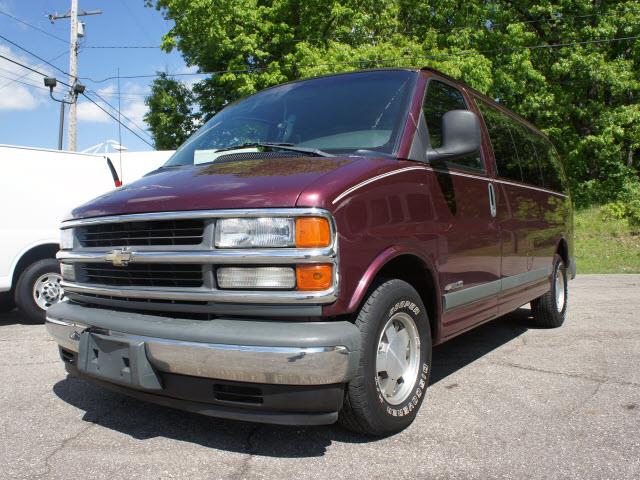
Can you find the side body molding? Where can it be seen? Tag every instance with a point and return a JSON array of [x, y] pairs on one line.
[[473, 294]]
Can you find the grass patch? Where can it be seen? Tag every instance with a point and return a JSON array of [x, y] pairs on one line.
[[605, 245]]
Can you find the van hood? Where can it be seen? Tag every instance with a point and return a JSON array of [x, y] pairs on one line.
[[242, 184]]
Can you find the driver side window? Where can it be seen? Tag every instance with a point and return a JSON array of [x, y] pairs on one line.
[[440, 99]]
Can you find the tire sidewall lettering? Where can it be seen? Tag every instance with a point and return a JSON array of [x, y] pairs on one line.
[[411, 404]]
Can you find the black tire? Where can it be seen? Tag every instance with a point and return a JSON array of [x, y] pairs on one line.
[[6, 302], [545, 309], [24, 288], [365, 410]]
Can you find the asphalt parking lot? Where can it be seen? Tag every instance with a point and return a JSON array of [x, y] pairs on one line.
[[506, 401]]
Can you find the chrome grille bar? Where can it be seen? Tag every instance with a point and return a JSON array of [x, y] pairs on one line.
[[205, 295], [217, 256]]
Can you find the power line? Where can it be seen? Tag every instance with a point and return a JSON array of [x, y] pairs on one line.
[[558, 17], [127, 95], [33, 26], [122, 46], [18, 80], [382, 60], [29, 68], [119, 112], [86, 96], [488, 25], [125, 126], [33, 55], [26, 74], [152, 75]]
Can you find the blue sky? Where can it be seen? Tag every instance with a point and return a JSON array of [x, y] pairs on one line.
[[29, 117]]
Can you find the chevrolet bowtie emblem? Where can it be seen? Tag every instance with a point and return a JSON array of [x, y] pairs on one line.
[[119, 258]]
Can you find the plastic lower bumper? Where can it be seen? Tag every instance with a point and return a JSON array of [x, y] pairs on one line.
[[274, 404], [268, 371]]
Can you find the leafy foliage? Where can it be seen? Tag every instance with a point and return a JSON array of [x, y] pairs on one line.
[[170, 114], [627, 208], [552, 61]]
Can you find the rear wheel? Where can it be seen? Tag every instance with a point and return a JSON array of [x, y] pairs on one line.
[[550, 309], [38, 289], [395, 361]]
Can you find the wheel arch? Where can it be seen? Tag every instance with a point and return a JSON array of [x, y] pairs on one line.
[[562, 249], [31, 254], [411, 267]]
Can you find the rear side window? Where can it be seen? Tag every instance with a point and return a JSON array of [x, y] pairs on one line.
[[552, 172], [499, 126], [440, 99], [527, 154], [521, 153]]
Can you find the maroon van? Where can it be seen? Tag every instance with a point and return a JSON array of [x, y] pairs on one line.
[[297, 258]]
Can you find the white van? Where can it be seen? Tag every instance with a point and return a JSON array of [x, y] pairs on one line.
[[37, 188]]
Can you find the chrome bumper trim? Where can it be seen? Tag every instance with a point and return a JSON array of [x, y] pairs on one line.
[[207, 295], [244, 363]]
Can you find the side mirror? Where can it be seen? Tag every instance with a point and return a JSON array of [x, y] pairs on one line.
[[460, 136]]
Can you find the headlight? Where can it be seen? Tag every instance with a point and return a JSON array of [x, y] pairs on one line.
[[303, 232], [256, 277], [66, 239], [255, 232]]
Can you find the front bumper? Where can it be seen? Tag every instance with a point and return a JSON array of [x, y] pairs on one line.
[[282, 372], [257, 351]]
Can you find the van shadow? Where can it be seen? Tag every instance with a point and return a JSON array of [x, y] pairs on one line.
[[14, 317], [455, 354], [143, 421]]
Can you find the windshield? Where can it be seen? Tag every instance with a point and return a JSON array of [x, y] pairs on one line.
[[338, 114]]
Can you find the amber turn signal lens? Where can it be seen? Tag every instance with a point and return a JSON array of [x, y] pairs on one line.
[[312, 232], [314, 277]]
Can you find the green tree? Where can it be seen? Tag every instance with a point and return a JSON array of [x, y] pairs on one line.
[[552, 61], [171, 116]]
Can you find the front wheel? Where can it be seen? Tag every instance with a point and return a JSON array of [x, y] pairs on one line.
[[395, 361], [39, 288], [550, 310]]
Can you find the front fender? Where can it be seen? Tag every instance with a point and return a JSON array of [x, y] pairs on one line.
[[378, 263]]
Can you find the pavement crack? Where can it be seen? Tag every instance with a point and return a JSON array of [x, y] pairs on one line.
[[591, 395], [553, 372], [59, 448], [567, 374], [251, 449], [30, 364]]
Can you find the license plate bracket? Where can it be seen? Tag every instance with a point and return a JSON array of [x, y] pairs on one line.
[[117, 360]]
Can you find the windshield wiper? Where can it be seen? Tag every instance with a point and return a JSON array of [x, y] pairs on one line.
[[282, 146]]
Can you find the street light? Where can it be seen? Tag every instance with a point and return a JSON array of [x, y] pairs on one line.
[[77, 89]]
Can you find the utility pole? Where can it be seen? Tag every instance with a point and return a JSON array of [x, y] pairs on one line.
[[61, 124], [73, 73], [73, 15]]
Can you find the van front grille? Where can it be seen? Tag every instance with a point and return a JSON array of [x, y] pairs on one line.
[[141, 275], [152, 232]]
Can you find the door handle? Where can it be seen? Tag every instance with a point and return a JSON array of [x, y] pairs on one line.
[[492, 200]]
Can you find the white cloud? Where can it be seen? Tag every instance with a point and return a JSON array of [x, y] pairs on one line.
[[13, 94], [132, 105], [20, 98], [135, 111], [89, 112]]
